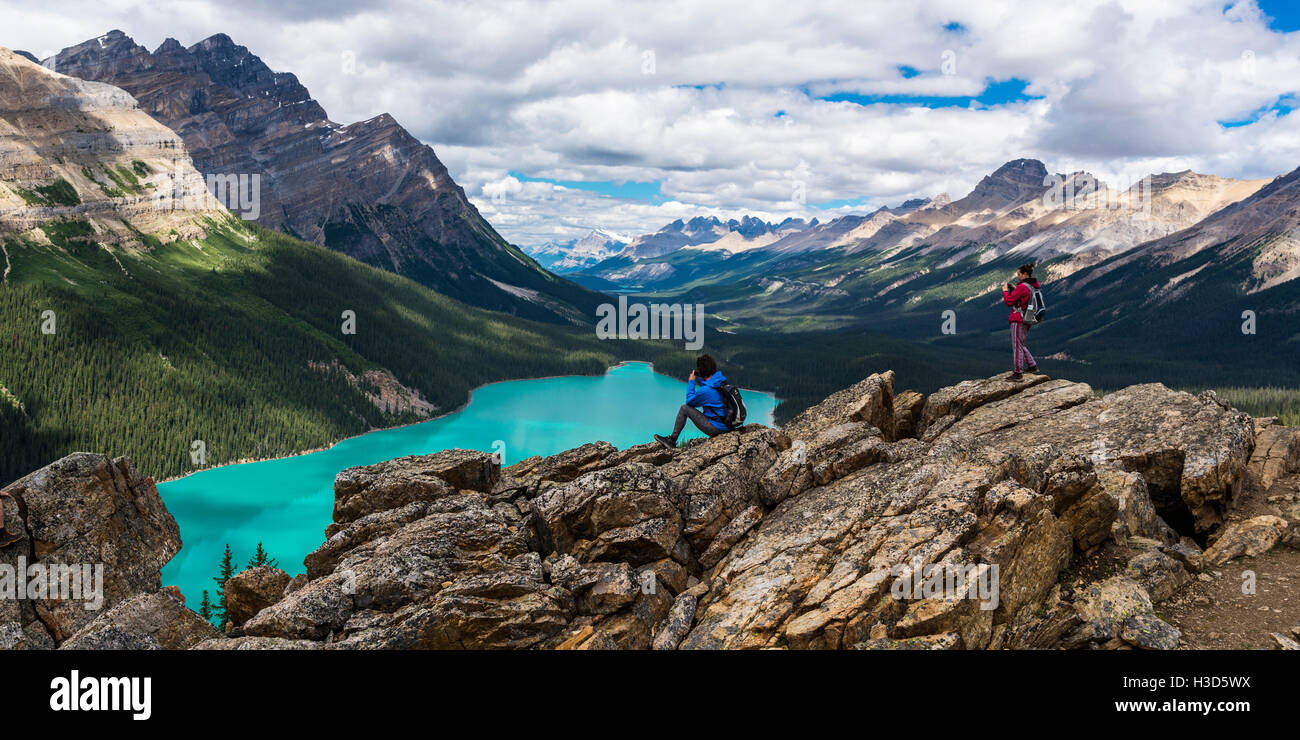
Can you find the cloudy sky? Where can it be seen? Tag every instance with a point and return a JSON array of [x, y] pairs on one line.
[[560, 117]]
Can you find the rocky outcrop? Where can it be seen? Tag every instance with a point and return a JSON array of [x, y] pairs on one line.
[[798, 537], [156, 621], [96, 531], [1191, 451], [829, 533], [369, 189], [251, 591]]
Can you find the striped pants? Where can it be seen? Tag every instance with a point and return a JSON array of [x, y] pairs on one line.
[[1020, 357]]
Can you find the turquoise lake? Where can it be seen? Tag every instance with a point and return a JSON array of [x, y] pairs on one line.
[[286, 503]]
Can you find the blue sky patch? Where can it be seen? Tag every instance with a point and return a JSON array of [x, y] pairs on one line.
[[841, 203], [628, 190], [1284, 14], [995, 93], [1283, 106]]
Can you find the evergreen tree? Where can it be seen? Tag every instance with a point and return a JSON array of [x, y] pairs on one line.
[[205, 607], [226, 573], [260, 558]]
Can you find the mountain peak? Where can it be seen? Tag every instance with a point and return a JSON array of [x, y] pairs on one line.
[[1011, 184], [217, 40], [1023, 171], [169, 46]]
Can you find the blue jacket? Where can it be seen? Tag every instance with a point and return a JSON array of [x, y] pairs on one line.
[[705, 397]]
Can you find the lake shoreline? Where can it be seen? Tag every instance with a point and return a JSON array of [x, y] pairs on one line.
[[286, 503], [457, 410]]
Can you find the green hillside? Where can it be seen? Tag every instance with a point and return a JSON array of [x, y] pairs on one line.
[[213, 341]]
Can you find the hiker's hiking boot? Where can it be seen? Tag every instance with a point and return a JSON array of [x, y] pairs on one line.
[[668, 442], [7, 538], [1032, 369], [1017, 376]]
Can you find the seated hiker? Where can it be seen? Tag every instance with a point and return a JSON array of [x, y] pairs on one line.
[[1018, 297], [704, 403]]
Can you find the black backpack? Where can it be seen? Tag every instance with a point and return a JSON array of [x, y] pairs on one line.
[[733, 405], [1036, 310]]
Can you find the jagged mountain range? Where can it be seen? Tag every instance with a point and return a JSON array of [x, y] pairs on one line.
[[593, 248], [1010, 210], [709, 233], [1183, 265], [368, 189]]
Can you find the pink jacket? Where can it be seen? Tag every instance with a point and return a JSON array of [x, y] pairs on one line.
[[1018, 299]]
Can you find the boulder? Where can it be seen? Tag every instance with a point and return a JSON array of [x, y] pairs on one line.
[[1247, 538], [1284, 642], [1149, 632], [33, 636], [253, 590], [395, 483], [1187, 552], [631, 513], [870, 401], [1161, 575], [462, 576], [89, 512], [1104, 608], [538, 473], [313, 612], [1277, 454], [680, 618], [815, 572], [828, 454], [946, 405], [1191, 451], [156, 621], [1135, 513], [325, 558], [611, 586]]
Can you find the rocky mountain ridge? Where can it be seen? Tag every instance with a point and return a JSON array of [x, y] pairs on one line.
[[762, 538], [369, 189], [1019, 209], [1265, 227], [72, 150], [592, 248], [711, 233]]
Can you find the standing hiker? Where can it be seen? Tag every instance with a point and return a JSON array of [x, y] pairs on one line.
[[1018, 297]]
